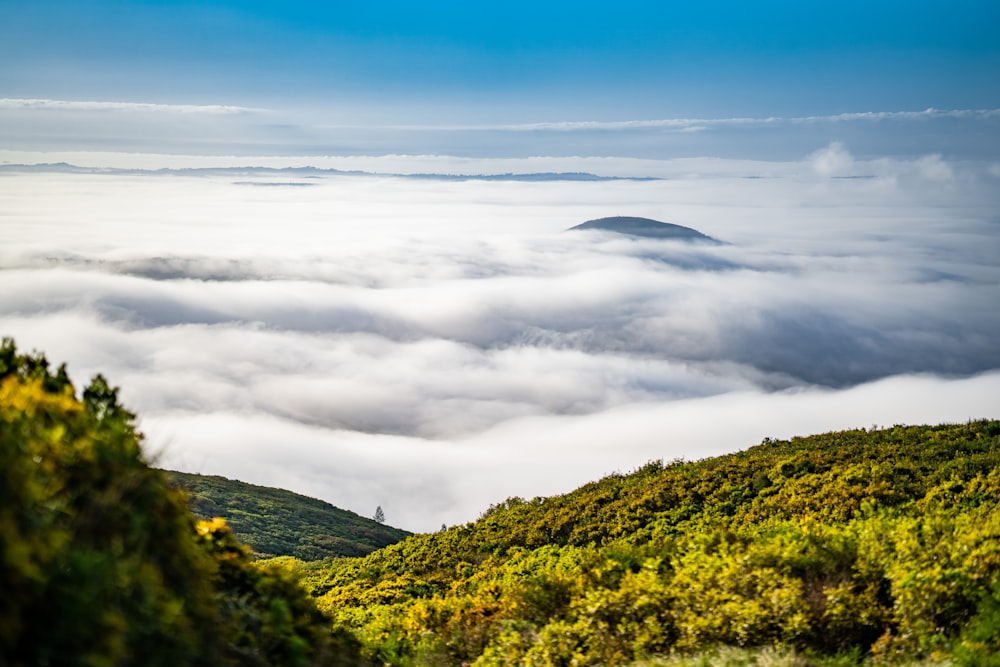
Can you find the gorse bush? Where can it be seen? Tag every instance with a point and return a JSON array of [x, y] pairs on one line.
[[875, 545], [102, 564], [878, 544]]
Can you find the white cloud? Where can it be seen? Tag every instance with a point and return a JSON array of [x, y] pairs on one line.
[[435, 346], [92, 105], [700, 124], [218, 130], [834, 160], [424, 483], [934, 168]]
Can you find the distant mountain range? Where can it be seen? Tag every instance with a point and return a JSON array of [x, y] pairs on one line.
[[314, 172], [644, 227], [275, 522]]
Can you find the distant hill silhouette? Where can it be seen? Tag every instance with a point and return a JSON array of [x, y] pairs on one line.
[[645, 227], [312, 172]]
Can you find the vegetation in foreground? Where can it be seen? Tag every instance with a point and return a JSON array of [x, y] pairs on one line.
[[101, 562], [875, 545], [275, 522]]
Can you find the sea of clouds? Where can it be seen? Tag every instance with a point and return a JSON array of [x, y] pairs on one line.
[[436, 345]]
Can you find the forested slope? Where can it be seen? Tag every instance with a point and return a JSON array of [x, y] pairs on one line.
[[880, 543], [275, 522]]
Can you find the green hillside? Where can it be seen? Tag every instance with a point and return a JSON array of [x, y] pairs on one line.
[[878, 544], [275, 522]]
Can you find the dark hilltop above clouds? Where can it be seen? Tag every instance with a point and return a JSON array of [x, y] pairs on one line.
[[646, 227]]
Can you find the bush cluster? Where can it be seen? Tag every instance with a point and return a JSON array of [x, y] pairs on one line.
[[879, 545], [101, 562]]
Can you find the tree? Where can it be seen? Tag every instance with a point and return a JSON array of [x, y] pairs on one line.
[[379, 514]]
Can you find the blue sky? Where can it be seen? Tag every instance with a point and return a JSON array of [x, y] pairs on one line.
[[434, 345], [511, 61]]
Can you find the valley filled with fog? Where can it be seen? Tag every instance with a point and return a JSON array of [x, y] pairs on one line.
[[434, 345]]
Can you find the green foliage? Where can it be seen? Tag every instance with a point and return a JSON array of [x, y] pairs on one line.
[[980, 641], [101, 562], [268, 616], [879, 545], [840, 549], [726, 656], [275, 522]]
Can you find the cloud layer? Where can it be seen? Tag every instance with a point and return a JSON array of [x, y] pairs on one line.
[[435, 346], [143, 127]]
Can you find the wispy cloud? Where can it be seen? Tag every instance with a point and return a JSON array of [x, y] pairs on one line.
[[205, 130], [680, 124], [89, 105], [700, 124]]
